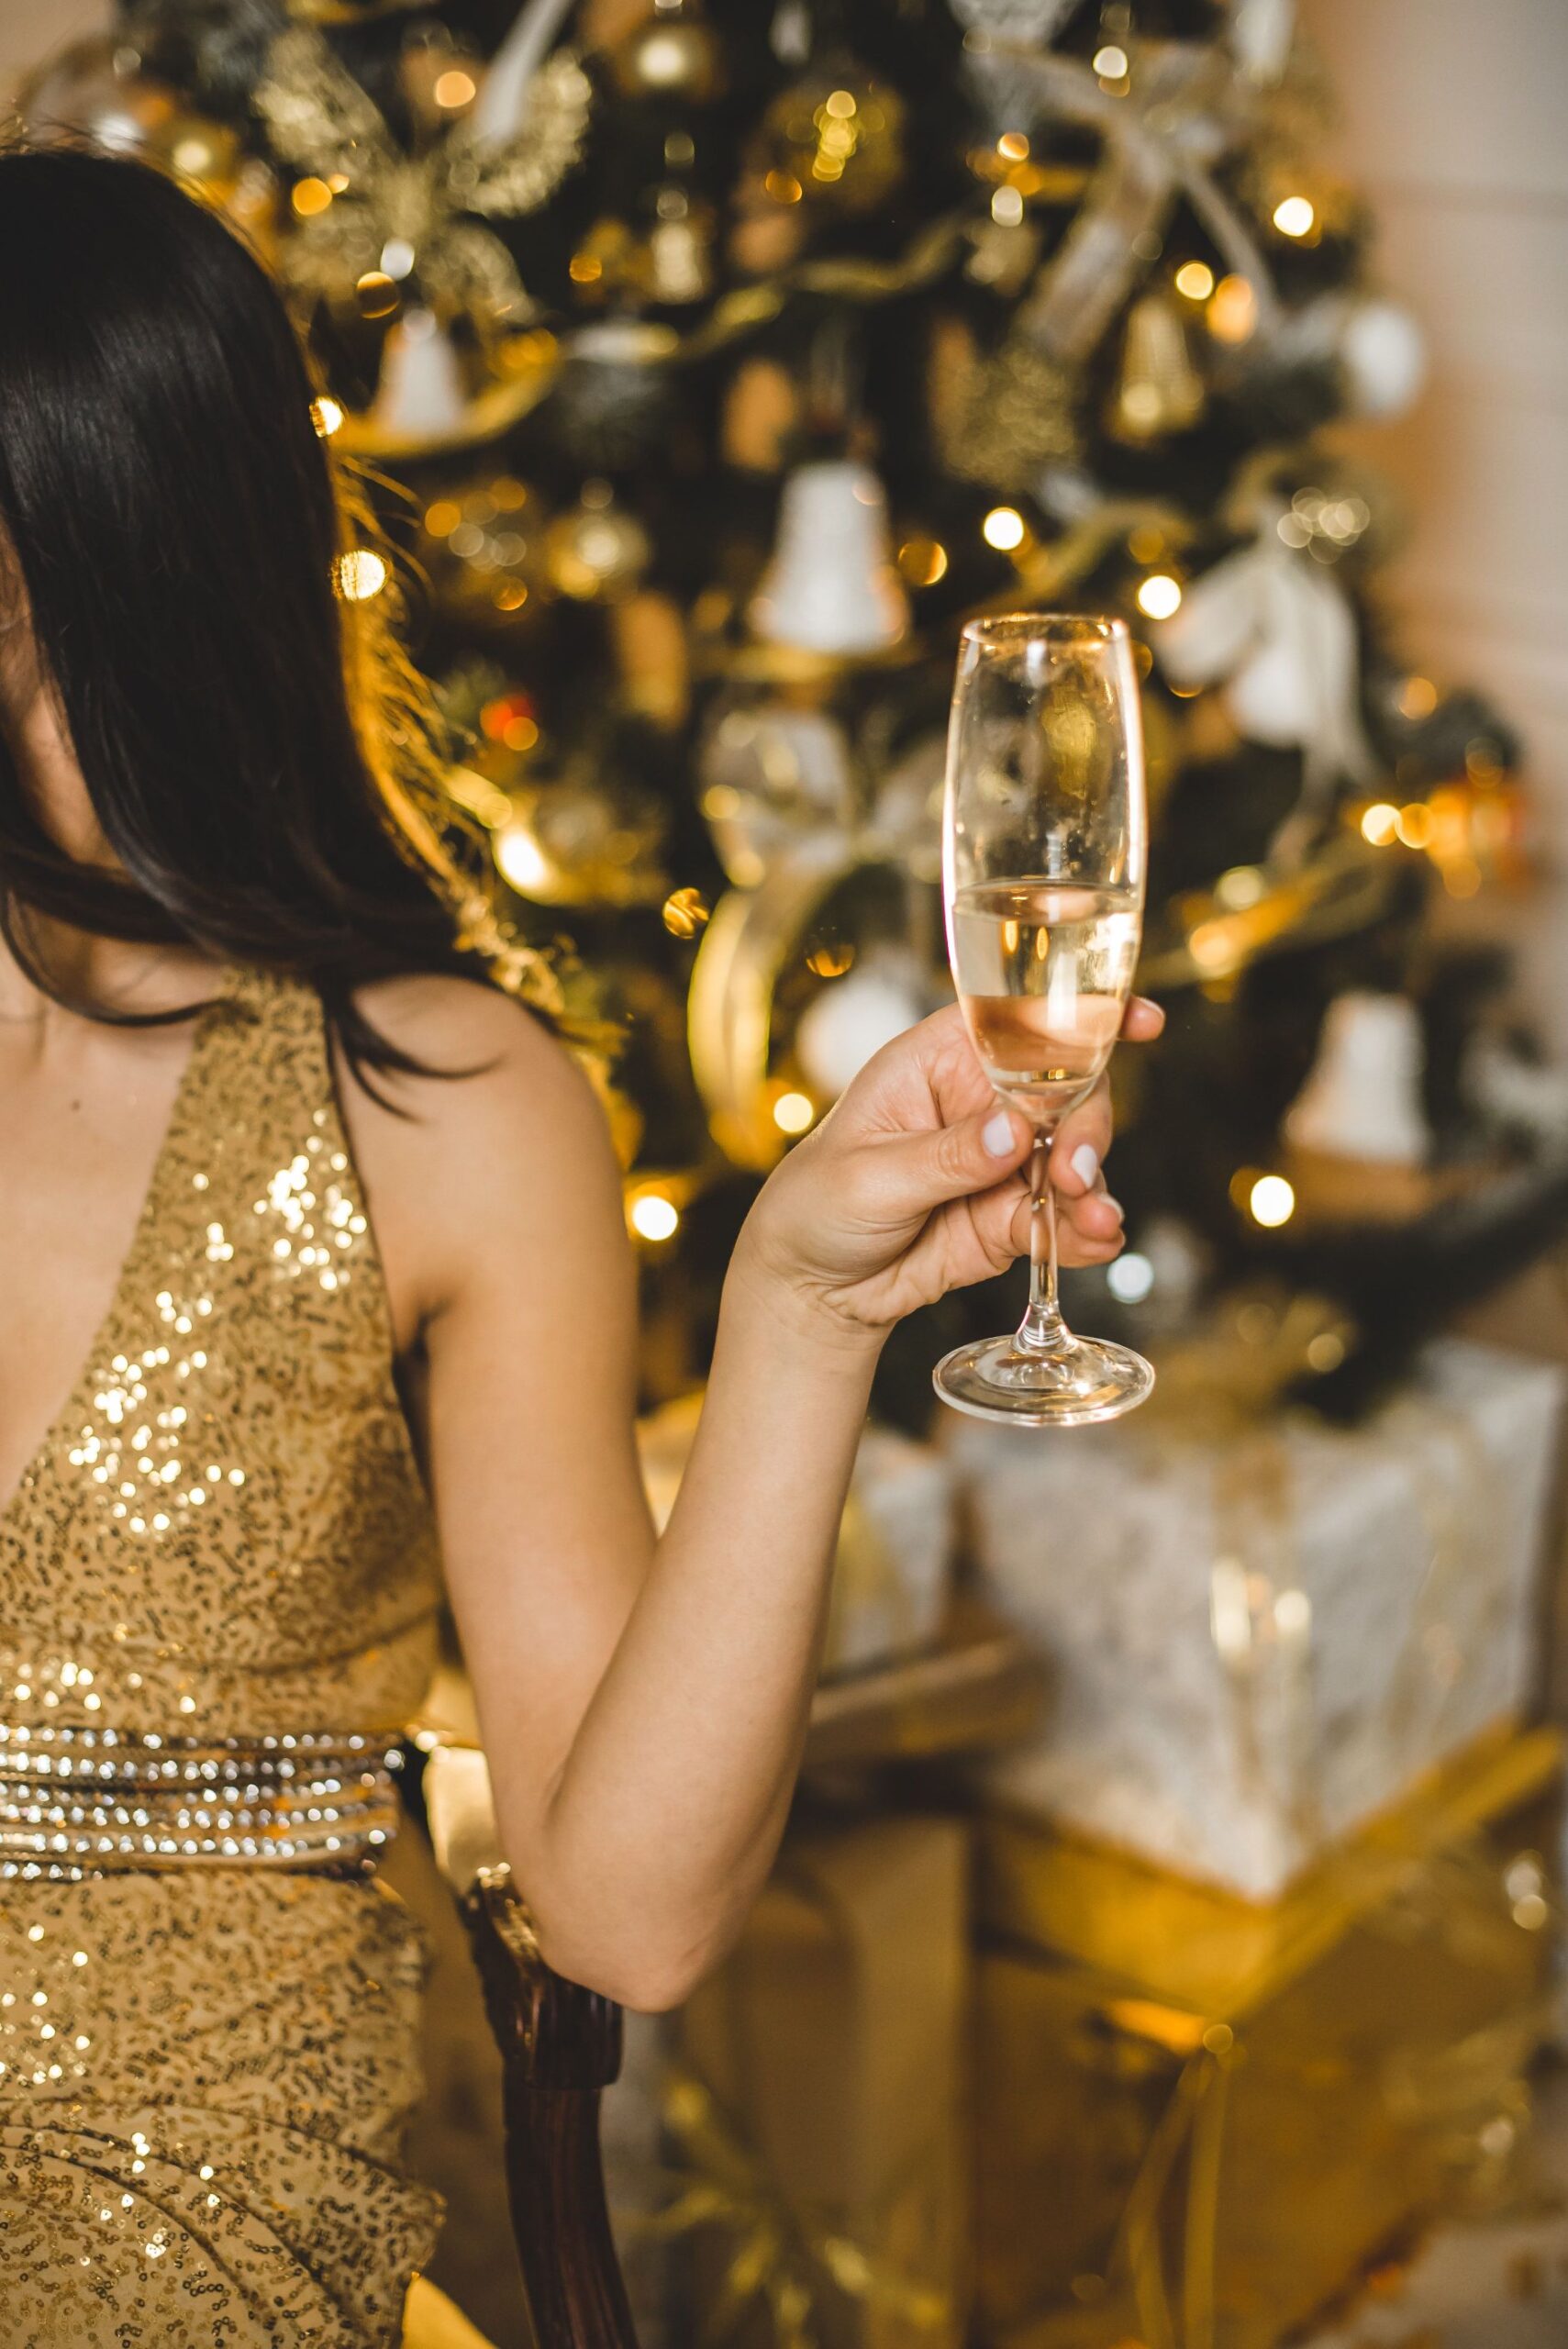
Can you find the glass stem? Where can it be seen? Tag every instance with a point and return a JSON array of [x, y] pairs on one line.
[[1042, 1331]]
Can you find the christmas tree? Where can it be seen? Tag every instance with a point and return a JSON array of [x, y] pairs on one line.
[[711, 361]]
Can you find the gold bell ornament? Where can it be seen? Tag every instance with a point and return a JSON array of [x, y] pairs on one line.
[[832, 586], [1158, 391]]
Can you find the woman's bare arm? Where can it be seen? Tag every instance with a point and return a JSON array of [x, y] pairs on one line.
[[643, 1705]]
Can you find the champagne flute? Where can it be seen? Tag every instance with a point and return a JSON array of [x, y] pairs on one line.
[[1043, 872]]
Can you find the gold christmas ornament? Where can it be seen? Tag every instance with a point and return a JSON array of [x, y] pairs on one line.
[[836, 140], [761, 410], [1158, 390], [597, 551], [652, 656], [999, 417], [581, 840], [386, 212]]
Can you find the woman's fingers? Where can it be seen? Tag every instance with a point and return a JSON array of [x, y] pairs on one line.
[[1082, 1141], [908, 1175], [1142, 1021]]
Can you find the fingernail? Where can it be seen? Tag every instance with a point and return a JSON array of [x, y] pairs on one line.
[[998, 1135], [1086, 1163], [1115, 1208]]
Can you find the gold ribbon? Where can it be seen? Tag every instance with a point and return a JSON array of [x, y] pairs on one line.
[[782, 2256]]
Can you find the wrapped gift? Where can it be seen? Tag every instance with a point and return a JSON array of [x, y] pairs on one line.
[[818, 2113], [1196, 2119], [1259, 1637], [893, 1571]]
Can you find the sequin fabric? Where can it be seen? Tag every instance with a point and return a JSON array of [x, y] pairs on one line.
[[206, 2070]]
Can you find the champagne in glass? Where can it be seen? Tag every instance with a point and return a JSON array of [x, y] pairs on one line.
[[1043, 875]]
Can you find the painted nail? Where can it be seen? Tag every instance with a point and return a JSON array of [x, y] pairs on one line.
[[1085, 1162], [998, 1135], [1115, 1208]]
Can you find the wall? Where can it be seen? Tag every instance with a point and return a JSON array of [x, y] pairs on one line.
[[28, 27], [1452, 125]]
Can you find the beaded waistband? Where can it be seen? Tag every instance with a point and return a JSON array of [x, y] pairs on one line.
[[77, 1802]]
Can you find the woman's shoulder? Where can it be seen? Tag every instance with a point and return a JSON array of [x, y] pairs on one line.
[[445, 1022], [506, 1134]]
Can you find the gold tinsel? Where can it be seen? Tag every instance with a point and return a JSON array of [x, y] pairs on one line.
[[1001, 417], [320, 122]]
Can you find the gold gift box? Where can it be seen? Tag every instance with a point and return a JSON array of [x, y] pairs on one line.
[[832, 2046], [1198, 2118]]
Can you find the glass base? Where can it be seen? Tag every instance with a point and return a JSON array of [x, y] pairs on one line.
[[999, 1379]]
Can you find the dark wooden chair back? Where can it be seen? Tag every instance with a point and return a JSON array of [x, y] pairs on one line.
[[561, 2048]]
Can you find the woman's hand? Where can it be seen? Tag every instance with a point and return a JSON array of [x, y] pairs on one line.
[[915, 1183]]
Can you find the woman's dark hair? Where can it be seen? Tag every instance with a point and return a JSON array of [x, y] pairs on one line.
[[262, 760]]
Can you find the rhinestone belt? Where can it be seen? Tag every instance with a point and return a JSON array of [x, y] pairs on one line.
[[75, 1802]]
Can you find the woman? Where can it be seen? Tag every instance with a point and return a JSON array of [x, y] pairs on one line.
[[233, 1020]]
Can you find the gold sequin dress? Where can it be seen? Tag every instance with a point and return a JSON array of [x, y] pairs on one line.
[[218, 1594]]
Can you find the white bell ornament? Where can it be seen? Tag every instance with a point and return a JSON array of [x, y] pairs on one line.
[[831, 587], [421, 394], [1362, 1100]]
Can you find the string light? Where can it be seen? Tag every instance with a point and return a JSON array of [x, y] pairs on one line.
[[1131, 1279], [361, 573], [1158, 595], [923, 562], [1195, 280], [325, 415], [1007, 207], [377, 293], [654, 1215], [1232, 312], [521, 861], [1013, 146], [1242, 886], [310, 196], [1418, 697], [1003, 528], [455, 88], [795, 1113], [1380, 824], [1294, 216], [1110, 62], [1270, 1201], [396, 257], [1414, 825]]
